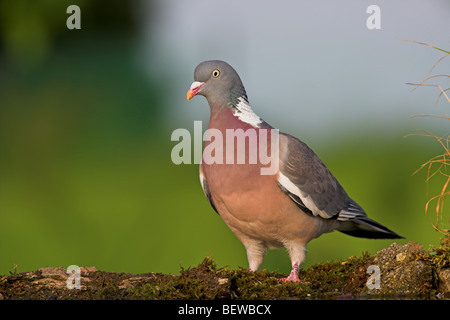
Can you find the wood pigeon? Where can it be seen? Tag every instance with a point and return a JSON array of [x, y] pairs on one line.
[[299, 202]]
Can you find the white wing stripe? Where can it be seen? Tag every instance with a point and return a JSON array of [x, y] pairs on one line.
[[292, 188]]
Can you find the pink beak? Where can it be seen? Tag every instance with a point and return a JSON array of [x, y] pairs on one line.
[[195, 88]]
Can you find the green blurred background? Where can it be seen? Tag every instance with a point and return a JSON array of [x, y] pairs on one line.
[[86, 176]]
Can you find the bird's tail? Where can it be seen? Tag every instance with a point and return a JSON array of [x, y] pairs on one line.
[[364, 227]]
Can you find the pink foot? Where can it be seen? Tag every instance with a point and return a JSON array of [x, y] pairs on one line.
[[293, 277]]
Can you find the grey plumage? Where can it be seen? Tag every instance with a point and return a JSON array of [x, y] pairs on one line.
[[298, 203], [328, 198]]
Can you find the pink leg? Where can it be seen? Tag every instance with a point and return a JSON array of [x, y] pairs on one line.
[[293, 277]]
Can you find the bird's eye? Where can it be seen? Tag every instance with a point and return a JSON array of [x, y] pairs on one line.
[[215, 73]]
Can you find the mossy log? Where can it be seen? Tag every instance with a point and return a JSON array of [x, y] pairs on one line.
[[405, 272]]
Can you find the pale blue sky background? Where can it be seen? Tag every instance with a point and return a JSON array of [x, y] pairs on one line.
[[310, 67]]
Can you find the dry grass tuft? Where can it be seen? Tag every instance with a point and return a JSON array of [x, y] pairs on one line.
[[435, 166], [439, 164]]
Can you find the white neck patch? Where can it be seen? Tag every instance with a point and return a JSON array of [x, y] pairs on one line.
[[246, 114]]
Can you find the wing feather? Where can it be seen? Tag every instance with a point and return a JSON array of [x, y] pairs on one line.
[[309, 183], [205, 188]]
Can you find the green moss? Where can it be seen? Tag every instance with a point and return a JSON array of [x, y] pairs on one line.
[[339, 278], [407, 271]]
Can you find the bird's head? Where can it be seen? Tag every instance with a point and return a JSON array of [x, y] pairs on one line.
[[218, 82]]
